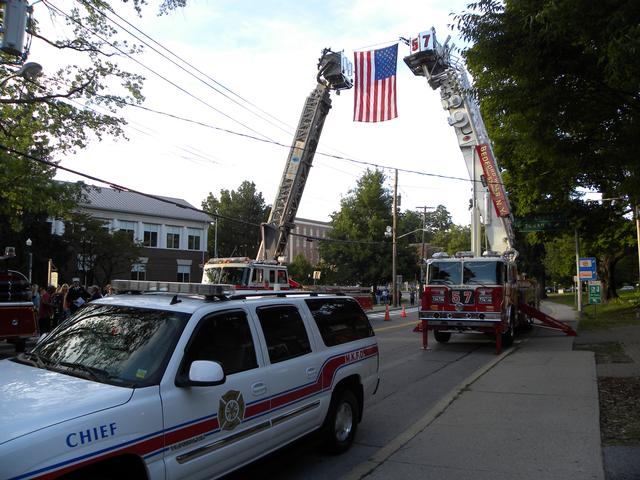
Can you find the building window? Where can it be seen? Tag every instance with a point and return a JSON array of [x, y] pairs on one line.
[[127, 227], [193, 238], [150, 234], [173, 237], [139, 271], [184, 273]]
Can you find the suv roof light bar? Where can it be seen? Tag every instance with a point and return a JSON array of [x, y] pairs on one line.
[[206, 289]]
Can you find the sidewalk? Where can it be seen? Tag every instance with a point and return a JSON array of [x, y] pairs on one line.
[[532, 413]]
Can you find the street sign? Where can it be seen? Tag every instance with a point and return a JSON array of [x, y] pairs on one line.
[[540, 223], [587, 269], [595, 292]]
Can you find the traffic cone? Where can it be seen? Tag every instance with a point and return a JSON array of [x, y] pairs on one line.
[[404, 313], [386, 315]]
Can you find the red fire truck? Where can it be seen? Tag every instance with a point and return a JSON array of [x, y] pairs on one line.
[[472, 291], [469, 294], [18, 320]]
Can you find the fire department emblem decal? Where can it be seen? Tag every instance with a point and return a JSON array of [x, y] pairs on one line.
[[230, 410]]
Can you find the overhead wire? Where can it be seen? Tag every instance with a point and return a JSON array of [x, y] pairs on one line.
[[135, 60], [324, 154], [191, 66], [169, 201]]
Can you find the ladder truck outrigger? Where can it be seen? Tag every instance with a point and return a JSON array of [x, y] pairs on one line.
[[267, 271], [474, 291]]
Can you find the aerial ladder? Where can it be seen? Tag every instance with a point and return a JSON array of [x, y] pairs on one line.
[[444, 71], [501, 304], [334, 73]]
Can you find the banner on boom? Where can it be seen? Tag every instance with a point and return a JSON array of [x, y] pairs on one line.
[[493, 180]]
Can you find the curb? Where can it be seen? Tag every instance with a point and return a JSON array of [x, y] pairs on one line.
[[383, 454]]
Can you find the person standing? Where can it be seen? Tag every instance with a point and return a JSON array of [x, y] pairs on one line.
[[77, 296], [46, 310]]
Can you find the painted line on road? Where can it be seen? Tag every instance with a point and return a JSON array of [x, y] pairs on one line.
[[400, 325], [367, 467]]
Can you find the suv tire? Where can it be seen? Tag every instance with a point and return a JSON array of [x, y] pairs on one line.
[[340, 426]]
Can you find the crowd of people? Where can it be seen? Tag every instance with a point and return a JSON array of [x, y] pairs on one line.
[[383, 296], [54, 305]]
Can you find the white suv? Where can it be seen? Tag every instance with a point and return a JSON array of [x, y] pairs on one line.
[[190, 385]]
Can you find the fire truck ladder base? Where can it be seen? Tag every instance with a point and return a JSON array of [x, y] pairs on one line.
[[546, 320]]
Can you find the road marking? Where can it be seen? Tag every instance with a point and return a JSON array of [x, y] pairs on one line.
[[382, 455], [400, 325]]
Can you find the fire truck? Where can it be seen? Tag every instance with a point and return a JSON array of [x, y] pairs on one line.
[[476, 291], [17, 313]]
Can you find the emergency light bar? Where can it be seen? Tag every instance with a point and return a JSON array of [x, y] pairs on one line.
[[209, 290]]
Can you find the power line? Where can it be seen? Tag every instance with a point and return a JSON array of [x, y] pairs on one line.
[[328, 155], [188, 64], [46, 2], [116, 186]]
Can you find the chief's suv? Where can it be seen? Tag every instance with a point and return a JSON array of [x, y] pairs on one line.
[[188, 381]]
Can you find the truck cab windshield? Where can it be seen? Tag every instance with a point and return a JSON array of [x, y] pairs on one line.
[[466, 273], [228, 275]]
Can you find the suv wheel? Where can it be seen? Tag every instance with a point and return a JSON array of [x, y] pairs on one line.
[[342, 422]]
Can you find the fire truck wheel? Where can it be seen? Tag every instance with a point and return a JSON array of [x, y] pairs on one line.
[[442, 337], [508, 336]]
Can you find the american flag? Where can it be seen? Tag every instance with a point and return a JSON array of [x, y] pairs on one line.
[[375, 79]]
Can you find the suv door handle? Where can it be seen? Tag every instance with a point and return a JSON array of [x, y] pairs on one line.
[[259, 388], [311, 372]]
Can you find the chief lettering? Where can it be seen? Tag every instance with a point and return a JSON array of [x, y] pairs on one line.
[[84, 437]]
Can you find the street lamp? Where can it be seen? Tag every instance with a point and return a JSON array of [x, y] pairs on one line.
[[29, 243], [29, 71]]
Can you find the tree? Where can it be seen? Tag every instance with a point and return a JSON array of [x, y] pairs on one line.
[[239, 215], [61, 111], [456, 239], [559, 92], [560, 260], [357, 249], [301, 270], [97, 253]]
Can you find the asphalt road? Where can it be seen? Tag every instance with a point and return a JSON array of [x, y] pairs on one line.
[[412, 381]]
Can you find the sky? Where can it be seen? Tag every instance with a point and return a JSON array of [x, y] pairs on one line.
[[266, 52]]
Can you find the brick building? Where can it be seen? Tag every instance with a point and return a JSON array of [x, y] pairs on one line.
[[299, 244]]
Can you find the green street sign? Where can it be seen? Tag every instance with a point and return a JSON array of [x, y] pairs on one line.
[[595, 293], [540, 223]]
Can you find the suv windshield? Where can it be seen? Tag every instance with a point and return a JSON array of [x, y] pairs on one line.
[[112, 344]]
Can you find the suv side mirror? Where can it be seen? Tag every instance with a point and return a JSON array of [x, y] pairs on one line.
[[202, 373]]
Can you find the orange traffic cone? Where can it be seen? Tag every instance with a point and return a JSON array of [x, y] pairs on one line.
[[386, 315], [404, 313]]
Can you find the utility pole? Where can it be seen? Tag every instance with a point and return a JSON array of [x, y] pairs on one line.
[[638, 237], [394, 288], [423, 252], [579, 282]]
